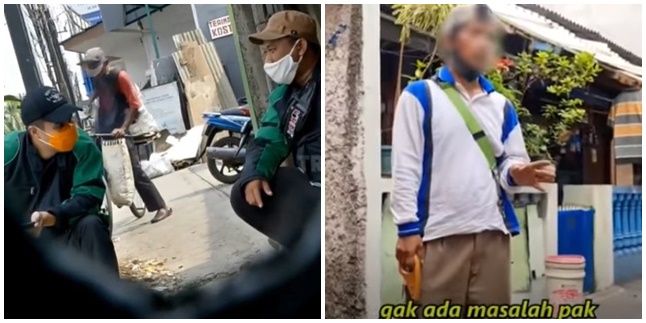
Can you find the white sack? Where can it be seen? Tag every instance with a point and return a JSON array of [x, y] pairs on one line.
[[145, 123], [157, 165], [187, 146], [118, 167]]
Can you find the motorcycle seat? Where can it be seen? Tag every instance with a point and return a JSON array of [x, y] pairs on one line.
[[237, 111]]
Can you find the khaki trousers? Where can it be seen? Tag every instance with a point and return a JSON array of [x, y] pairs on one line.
[[470, 269]]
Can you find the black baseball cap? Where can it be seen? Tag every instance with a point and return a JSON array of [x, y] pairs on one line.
[[46, 103]]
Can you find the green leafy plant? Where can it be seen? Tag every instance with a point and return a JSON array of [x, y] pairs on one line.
[[427, 18], [561, 75], [12, 121]]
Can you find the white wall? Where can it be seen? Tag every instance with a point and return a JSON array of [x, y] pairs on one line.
[[372, 156], [132, 53], [137, 50], [621, 23], [599, 197], [548, 211], [174, 19]]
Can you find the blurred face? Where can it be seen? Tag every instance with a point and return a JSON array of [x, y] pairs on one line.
[[274, 50], [476, 44], [94, 68]]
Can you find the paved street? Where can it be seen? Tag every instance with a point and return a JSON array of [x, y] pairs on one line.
[[202, 241], [615, 302], [205, 241], [620, 302]]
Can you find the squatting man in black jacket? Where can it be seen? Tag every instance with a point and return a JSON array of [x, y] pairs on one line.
[[278, 200], [53, 175]]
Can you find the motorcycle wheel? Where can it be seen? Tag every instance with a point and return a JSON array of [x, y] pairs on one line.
[[137, 208], [107, 207], [218, 172]]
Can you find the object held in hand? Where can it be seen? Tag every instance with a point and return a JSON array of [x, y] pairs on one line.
[[413, 279]]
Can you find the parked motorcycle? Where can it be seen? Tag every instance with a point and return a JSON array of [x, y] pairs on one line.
[[225, 156]]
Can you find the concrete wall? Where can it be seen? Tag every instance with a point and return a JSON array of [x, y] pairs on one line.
[[599, 197], [133, 56], [225, 46], [542, 232], [136, 49], [548, 211], [174, 19], [345, 194]]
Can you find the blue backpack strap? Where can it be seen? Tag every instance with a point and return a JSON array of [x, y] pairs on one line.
[[422, 91]]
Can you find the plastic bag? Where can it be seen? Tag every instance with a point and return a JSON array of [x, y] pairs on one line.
[[157, 165], [145, 123], [118, 167]]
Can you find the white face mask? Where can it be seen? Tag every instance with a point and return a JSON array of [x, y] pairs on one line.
[[283, 70], [94, 72]]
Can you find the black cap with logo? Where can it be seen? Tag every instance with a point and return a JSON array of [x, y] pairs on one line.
[[46, 103]]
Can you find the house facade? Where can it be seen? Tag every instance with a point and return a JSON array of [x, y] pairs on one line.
[[126, 35], [359, 226]]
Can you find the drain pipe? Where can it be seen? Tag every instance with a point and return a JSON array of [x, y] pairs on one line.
[[152, 30]]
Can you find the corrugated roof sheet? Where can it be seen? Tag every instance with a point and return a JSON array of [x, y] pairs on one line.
[[547, 30], [584, 32]]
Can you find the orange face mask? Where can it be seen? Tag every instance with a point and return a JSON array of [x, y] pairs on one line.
[[64, 139]]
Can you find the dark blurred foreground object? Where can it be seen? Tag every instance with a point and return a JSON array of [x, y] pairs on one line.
[[47, 282]]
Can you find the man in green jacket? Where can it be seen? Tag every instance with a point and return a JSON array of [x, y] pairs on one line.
[[277, 200], [53, 173]]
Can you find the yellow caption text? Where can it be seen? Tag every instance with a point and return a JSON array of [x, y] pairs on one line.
[[524, 310]]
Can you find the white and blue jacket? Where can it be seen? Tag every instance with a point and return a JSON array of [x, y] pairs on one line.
[[442, 184]]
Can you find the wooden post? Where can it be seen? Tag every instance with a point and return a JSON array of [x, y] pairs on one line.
[[613, 164], [251, 62]]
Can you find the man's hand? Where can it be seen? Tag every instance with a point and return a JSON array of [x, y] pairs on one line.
[[42, 220], [252, 191], [118, 133], [533, 174], [407, 249]]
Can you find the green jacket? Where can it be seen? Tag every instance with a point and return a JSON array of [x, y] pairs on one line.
[[70, 185], [280, 134]]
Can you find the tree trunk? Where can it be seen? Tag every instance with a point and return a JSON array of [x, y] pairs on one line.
[[251, 61]]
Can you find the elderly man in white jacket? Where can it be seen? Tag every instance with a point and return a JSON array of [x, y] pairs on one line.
[[457, 150]]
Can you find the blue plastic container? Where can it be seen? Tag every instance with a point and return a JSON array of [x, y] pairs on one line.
[[627, 230], [576, 237], [87, 82]]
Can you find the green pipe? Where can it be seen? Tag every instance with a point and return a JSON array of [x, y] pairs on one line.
[[152, 31], [243, 70]]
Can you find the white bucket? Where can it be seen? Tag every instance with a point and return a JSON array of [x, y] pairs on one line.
[[565, 276]]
